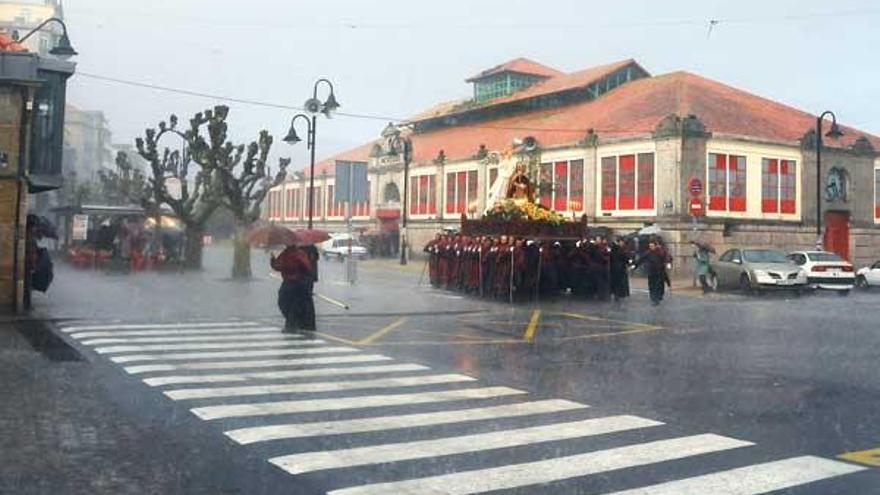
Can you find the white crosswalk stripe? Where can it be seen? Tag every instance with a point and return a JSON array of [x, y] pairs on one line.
[[179, 332], [160, 325], [330, 459], [362, 425], [238, 359], [753, 480], [249, 337], [277, 342], [278, 375], [557, 469], [413, 381], [339, 404], [252, 364], [231, 354]]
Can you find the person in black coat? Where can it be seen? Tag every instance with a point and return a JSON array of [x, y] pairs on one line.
[[621, 257], [654, 260]]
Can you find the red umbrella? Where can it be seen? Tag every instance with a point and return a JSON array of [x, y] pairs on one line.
[[272, 235], [310, 236]]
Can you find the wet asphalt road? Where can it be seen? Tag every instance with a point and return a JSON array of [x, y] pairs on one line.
[[767, 379]]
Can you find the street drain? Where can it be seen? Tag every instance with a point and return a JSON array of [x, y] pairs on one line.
[[44, 341]]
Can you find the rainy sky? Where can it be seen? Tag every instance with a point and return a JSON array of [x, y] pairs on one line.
[[392, 58]]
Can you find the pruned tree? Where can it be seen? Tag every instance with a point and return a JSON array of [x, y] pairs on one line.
[[243, 179], [169, 181]]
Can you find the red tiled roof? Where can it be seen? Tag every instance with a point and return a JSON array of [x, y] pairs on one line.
[[7, 44], [521, 65], [633, 109], [556, 84]]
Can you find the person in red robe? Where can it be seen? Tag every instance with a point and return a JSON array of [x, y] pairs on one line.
[[503, 262], [431, 248]]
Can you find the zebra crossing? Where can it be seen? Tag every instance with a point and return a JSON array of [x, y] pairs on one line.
[[366, 423]]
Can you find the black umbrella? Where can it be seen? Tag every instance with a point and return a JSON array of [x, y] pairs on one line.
[[42, 226]]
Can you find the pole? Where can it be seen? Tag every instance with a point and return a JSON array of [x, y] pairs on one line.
[[311, 138], [819, 182], [405, 205], [538, 279], [422, 275], [349, 262], [511, 274], [480, 266]]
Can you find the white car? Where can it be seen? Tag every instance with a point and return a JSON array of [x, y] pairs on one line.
[[339, 248], [868, 276], [826, 270]]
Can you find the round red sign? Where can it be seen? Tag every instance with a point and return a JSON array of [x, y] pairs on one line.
[[695, 186]]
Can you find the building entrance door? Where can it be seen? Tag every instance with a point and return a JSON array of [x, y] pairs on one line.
[[837, 233]]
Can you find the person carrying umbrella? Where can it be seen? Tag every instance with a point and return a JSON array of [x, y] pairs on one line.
[[298, 271], [702, 252], [655, 260]]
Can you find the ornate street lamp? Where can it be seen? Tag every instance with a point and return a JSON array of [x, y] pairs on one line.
[[63, 49], [398, 145], [834, 133], [313, 107]]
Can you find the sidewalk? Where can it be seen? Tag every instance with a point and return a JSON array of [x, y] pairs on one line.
[[68, 428]]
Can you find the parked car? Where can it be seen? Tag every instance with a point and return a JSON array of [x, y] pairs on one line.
[[338, 248], [868, 276], [825, 270], [753, 270]]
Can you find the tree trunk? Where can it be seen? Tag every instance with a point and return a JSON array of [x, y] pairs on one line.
[[192, 255], [241, 259]]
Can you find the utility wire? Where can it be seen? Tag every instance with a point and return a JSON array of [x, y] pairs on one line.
[[265, 104]]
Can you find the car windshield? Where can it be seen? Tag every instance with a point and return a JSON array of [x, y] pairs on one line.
[[825, 257], [764, 256]]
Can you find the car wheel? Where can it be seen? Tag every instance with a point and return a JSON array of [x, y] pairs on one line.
[[843, 293], [861, 282], [745, 286]]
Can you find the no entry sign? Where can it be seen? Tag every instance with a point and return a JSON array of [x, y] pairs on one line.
[[695, 186], [696, 207]]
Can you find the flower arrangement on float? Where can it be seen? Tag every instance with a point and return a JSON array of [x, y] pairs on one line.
[[513, 210]]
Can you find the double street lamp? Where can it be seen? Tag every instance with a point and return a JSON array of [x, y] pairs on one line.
[[63, 49], [834, 133], [401, 145], [313, 107]]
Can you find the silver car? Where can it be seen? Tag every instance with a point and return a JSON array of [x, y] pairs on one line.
[[753, 270]]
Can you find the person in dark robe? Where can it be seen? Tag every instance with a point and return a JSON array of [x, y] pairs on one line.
[[520, 269], [433, 260], [548, 277], [490, 254], [601, 261], [473, 283], [454, 262], [295, 294], [620, 259], [654, 261], [503, 263]]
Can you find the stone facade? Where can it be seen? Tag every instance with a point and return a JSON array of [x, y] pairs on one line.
[[13, 196]]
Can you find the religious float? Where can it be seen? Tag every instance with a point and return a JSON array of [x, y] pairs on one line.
[[514, 212]]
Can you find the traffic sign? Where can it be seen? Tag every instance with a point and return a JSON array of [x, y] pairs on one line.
[[696, 207], [695, 186]]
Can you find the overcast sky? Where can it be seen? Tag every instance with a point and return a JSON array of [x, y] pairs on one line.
[[395, 57]]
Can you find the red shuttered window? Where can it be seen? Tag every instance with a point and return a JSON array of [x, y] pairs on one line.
[[717, 182], [576, 191], [627, 178], [432, 194], [422, 195], [646, 181], [877, 194], [778, 186], [450, 193], [609, 183], [737, 188], [545, 185], [787, 187], [769, 185], [461, 191], [560, 186]]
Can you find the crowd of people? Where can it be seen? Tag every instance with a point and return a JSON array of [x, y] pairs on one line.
[[516, 269]]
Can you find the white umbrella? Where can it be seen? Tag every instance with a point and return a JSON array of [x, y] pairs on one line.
[[651, 230]]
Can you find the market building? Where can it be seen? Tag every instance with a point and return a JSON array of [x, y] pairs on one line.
[[626, 149]]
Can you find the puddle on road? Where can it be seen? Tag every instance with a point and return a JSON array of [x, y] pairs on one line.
[[44, 341]]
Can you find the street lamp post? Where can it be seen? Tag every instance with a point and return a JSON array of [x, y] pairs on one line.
[[834, 133], [401, 145], [63, 49], [313, 106]]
